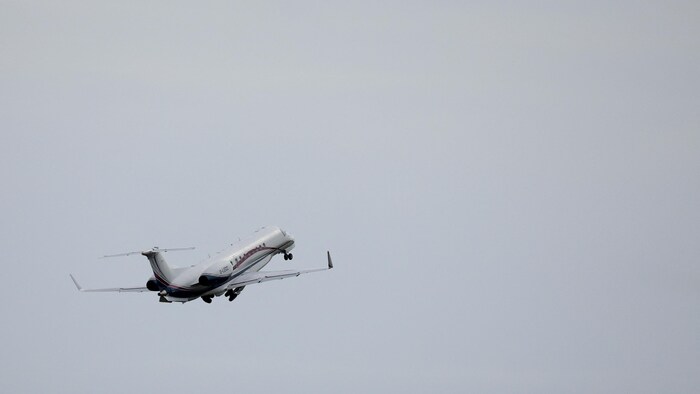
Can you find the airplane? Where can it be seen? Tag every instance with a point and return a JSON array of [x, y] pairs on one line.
[[227, 273]]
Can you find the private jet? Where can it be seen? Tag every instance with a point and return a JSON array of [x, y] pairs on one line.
[[226, 273]]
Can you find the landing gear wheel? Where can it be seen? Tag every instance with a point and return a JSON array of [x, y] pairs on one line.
[[286, 256], [291, 256], [235, 292], [207, 300]]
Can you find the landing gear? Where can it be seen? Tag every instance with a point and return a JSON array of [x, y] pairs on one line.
[[232, 294], [288, 256], [207, 299]]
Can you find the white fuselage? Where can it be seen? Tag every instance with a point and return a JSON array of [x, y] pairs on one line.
[[212, 276]]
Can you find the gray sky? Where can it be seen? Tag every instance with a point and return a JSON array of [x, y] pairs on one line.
[[510, 193]]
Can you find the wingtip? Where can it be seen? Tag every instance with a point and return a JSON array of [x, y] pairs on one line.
[[77, 286], [330, 262]]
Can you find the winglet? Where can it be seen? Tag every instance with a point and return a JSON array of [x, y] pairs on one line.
[[76, 283], [330, 262]]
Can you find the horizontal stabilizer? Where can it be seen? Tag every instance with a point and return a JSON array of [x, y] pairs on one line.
[[155, 249]]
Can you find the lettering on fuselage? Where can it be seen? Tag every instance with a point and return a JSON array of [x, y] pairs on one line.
[[251, 252]]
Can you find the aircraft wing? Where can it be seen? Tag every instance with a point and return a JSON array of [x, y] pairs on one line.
[[264, 276], [117, 289]]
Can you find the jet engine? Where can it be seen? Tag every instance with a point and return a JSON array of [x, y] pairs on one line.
[[152, 284]]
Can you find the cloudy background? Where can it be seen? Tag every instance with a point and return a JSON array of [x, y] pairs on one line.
[[510, 193]]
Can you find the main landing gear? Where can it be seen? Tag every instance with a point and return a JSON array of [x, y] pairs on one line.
[[288, 256], [232, 294], [207, 299]]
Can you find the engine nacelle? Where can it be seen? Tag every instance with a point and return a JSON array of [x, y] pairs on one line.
[[211, 280], [152, 284]]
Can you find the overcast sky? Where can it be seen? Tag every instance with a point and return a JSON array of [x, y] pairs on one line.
[[510, 193]]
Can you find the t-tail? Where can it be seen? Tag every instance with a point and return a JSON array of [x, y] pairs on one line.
[[161, 269]]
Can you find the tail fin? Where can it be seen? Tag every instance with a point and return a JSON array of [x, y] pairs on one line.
[[160, 267]]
